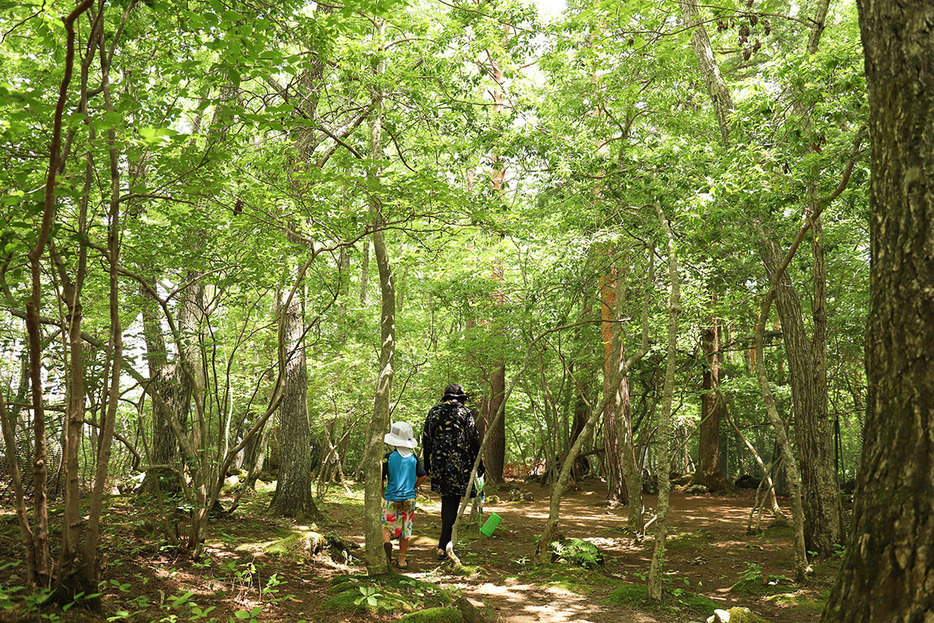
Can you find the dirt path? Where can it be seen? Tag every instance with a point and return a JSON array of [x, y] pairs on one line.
[[709, 551]]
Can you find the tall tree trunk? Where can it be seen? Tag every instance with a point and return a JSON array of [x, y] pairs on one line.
[[888, 569], [543, 551], [293, 487], [663, 434], [613, 471], [40, 542], [90, 572], [709, 472], [494, 455], [173, 386], [632, 477], [375, 555], [807, 366]]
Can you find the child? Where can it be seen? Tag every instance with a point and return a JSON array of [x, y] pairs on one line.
[[404, 473]]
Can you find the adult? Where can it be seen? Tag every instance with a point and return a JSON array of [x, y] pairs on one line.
[[451, 443]]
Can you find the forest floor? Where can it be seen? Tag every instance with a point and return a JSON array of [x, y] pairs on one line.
[[258, 568]]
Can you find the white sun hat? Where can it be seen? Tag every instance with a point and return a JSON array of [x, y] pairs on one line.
[[400, 435]]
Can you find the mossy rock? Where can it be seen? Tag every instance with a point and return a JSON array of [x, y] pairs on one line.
[[573, 579], [387, 593], [302, 544], [434, 615], [629, 594]]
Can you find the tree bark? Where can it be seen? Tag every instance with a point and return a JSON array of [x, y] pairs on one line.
[[293, 485], [663, 433], [172, 386], [543, 552], [43, 561], [376, 562], [612, 468], [709, 472], [888, 569], [716, 86], [494, 456], [807, 367]]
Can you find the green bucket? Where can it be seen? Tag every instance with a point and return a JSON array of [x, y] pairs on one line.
[[490, 525]]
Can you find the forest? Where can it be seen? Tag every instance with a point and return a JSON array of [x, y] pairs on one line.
[[679, 255]]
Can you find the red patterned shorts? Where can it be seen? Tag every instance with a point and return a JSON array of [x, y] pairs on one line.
[[397, 517]]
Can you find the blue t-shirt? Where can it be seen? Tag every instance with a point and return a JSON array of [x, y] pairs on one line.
[[402, 472]]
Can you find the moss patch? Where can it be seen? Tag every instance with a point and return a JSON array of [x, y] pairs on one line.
[[677, 600], [779, 529], [575, 580], [797, 600], [762, 586], [356, 594], [693, 540], [434, 615]]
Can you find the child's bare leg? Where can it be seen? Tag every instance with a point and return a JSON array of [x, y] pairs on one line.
[[403, 548]]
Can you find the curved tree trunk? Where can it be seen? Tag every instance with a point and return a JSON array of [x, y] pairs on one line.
[[888, 569]]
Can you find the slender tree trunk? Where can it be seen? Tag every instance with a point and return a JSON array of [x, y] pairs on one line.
[[613, 471], [43, 561], [664, 420], [709, 472], [90, 573], [72, 287], [22, 513], [375, 556], [802, 568], [632, 477], [888, 568], [175, 390], [495, 426], [543, 551], [494, 456], [766, 476]]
